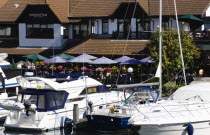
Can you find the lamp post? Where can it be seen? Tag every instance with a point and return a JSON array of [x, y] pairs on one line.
[[130, 71]]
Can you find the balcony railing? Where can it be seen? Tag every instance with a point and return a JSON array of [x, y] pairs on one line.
[[132, 35]]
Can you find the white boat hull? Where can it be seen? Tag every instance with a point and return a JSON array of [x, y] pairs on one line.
[[202, 128], [41, 121]]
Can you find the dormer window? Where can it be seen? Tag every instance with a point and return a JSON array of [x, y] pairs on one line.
[[15, 6], [40, 31]]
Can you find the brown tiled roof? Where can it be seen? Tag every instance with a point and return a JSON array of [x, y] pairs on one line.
[[2, 2], [8, 13], [11, 47], [110, 47], [103, 8], [144, 4], [60, 8], [94, 8], [184, 7]]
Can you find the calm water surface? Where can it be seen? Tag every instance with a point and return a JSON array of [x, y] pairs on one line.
[[59, 132]]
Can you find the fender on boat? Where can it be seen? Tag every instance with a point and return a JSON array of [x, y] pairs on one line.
[[12, 106], [190, 129]]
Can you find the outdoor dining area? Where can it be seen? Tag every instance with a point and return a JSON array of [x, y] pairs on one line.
[[123, 70]]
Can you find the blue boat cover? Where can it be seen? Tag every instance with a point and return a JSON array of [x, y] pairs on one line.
[[102, 89], [46, 100]]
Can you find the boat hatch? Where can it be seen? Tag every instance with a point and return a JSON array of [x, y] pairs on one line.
[[45, 100], [97, 89]]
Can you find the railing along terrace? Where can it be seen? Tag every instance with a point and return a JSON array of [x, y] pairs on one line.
[[132, 35]]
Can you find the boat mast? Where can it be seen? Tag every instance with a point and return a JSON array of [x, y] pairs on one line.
[[160, 48], [180, 44]]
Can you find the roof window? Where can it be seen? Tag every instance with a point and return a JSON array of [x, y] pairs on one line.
[[15, 6]]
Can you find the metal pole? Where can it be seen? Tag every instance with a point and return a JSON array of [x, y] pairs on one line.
[[160, 48], [180, 44], [75, 115]]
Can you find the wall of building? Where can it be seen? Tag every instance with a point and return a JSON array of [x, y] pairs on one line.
[[112, 25], [29, 42], [62, 36], [155, 24], [172, 24], [70, 31], [208, 12], [133, 25]]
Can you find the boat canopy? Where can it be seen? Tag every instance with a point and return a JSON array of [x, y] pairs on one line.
[[196, 90], [45, 100]]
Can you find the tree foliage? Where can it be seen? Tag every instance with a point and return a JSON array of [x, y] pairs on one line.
[[171, 51]]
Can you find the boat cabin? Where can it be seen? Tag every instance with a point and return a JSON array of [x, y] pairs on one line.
[[45, 100]]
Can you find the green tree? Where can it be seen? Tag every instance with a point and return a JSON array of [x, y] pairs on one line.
[[171, 51]]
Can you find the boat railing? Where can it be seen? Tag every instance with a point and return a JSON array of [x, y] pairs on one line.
[[191, 107]]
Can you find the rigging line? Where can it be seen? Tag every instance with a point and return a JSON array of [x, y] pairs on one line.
[[126, 44], [180, 44], [119, 32], [115, 47]]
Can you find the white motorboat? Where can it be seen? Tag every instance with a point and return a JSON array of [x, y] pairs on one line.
[[3, 62], [115, 117], [187, 111], [8, 95], [11, 85], [54, 102]]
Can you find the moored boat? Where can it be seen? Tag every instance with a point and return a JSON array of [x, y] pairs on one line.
[[54, 102], [115, 117], [185, 112]]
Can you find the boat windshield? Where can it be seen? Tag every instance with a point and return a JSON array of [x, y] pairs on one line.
[[142, 96]]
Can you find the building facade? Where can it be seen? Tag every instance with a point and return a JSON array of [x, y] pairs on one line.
[[55, 24]]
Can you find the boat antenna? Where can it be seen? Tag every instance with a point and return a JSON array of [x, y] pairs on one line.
[[160, 48], [180, 44]]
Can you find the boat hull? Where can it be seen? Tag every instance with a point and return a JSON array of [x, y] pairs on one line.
[[202, 128], [108, 123]]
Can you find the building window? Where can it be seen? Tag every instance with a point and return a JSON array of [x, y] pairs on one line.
[[139, 27], [105, 27], [148, 26], [120, 25], [39, 31], [65, 32], [76, 31], [93, 27], [84, 30], [142, 25], [165, 23], [7, 30], [80, 31]]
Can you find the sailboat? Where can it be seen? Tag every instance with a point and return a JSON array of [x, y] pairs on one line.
[[185, 112]]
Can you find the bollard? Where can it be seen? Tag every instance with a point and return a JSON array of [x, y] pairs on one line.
[[3, 82], [75, 116], [90, 104]]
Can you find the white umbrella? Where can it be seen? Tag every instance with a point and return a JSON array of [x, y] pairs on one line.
[[103, 60], [80, 60], [87, 56]]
